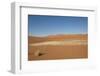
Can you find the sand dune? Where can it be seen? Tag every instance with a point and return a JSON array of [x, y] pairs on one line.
[[58, 47], [33, 39]]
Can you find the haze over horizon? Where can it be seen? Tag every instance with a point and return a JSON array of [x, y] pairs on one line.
[[55, 35]]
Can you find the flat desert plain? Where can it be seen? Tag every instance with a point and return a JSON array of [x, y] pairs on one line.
[[58, 47]]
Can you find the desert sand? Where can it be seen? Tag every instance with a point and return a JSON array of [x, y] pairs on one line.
[[58, 47]]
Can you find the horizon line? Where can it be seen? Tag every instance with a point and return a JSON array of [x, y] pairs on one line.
[[56, 35]]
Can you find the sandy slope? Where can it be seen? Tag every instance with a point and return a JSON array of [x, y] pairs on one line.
[[58, 47], [58, 52]]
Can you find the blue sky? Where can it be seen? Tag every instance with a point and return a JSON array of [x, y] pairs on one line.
[[42, 25]]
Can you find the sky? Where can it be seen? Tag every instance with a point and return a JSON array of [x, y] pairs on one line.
[[43, 25]]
